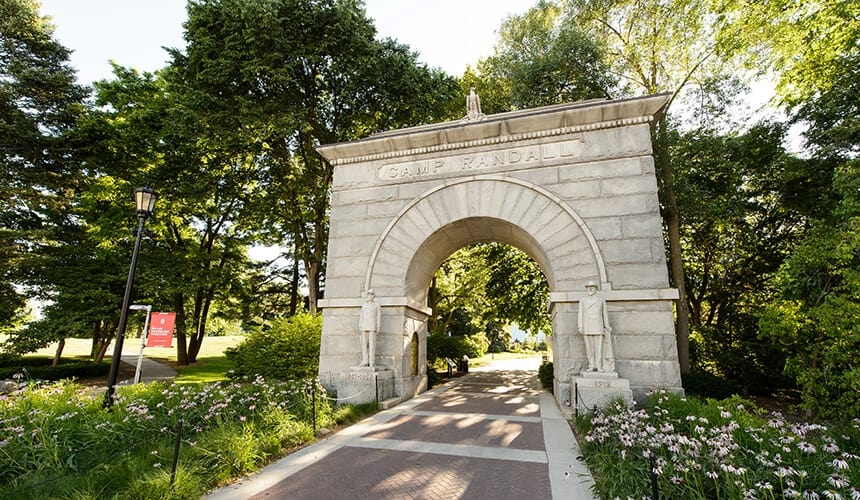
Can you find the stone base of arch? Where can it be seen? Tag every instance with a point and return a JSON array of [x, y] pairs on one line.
[[396, 354], [643, 340]]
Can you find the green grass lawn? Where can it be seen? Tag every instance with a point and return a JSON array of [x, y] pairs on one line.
[[212, 346], [212, 365], [206, 370]]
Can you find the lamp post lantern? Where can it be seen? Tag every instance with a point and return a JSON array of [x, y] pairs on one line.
[[144, 199]]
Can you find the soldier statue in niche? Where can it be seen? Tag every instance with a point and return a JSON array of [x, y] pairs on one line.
[[368, 325], [596, 332]]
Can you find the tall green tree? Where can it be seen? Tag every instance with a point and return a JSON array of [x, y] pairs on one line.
[[656, 46], [741, 220], [516, 290], [812, 47], [82, 286], [815, 318], [807, 45], [39, 106], [143, 133], [488, 286], [458, 294], [541, 58], [277, 78]]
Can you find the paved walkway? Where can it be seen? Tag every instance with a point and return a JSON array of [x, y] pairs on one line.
[[150, 371], [490, 434]]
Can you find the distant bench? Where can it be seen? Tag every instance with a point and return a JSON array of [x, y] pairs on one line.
[[451, 366]]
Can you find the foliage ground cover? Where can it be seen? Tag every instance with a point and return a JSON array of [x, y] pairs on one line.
[[706, 449], [58, 441]]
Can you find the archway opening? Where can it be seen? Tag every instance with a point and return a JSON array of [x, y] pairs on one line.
[[488, 303]]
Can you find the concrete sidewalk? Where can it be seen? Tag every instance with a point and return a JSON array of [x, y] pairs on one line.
[[490, 434], [150, 371]]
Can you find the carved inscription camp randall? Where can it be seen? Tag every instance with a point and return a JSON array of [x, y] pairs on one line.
[[511, 157]]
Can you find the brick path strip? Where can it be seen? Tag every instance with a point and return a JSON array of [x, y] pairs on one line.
[[487, 435]]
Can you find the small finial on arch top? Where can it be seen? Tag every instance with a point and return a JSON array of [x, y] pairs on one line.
[[473, 107]]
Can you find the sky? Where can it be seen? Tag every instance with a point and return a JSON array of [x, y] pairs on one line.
[[448, 34]]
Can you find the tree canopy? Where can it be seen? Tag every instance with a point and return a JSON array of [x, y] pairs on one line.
[[762, 243], [541, 58], [40, 104]]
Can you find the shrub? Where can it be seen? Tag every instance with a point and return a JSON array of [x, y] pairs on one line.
[[289, 349], [545, 375], [9, 359], [433, 377], [478, 343], [41, 369], [709, 385], [455, 347], [349, 413]]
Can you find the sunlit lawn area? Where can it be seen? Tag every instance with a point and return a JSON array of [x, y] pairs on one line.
[[212, 346], [490, 357], [206, 370], [211, 366]]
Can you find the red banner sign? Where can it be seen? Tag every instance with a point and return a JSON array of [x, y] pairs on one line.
[[161, 330]]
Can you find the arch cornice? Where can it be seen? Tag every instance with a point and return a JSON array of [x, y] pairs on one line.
[[592, 242], [501, 128]]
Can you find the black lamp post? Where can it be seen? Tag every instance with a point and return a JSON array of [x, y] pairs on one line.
[[144, 198]]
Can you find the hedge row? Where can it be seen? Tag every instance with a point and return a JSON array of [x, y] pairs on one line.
[[41, 369]]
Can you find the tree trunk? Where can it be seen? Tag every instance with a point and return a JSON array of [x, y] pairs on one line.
[[196, 318], [200, 318], [672, 220], [682, 327], [101, 339], [181, 341], [294, 284], [96, 346], [59, 353], [312, 269]]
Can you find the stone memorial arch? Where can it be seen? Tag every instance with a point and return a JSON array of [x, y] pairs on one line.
[[573, 186]]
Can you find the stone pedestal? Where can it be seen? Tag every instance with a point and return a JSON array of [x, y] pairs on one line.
[[563, 395], [364, 384], [599, 389]]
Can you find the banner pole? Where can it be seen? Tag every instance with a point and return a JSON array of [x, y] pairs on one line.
[[142, 343]]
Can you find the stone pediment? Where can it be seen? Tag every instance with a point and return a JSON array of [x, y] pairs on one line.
[[512, 126]]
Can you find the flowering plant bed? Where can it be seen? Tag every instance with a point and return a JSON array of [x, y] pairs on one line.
[[717, 449], [56, 441]]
